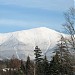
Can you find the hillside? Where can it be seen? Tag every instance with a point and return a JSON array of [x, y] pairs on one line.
[[22, 43]]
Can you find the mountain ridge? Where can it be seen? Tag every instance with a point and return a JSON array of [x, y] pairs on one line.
[[22, 43]]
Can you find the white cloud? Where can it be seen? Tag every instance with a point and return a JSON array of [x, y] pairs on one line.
[[42, 4], [11, 22]]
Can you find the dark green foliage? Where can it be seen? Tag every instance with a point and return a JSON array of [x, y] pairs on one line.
[[55, 65], [38, 61], [65, 57], [23, 68], [46, 66], [37, 54], [28, 66], [67, 63]]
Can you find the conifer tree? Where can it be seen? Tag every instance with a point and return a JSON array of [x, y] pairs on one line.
[[28, 66], [37, 54], [55, 65], [23, 68], [45, 66], [65, 59], [69, 26], [38, 61]]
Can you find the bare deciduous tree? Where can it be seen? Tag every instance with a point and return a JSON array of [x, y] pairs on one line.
[[70, 26]]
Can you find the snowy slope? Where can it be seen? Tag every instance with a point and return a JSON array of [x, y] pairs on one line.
[[22, 43]]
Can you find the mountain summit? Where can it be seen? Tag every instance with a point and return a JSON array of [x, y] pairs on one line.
[[22, 43]]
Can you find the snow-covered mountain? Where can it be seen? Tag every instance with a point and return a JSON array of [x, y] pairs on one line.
[[22, 43]]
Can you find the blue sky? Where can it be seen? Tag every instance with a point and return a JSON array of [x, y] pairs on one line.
[[26, 14]]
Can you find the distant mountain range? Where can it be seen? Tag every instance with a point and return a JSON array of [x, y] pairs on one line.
[[22, 43]]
